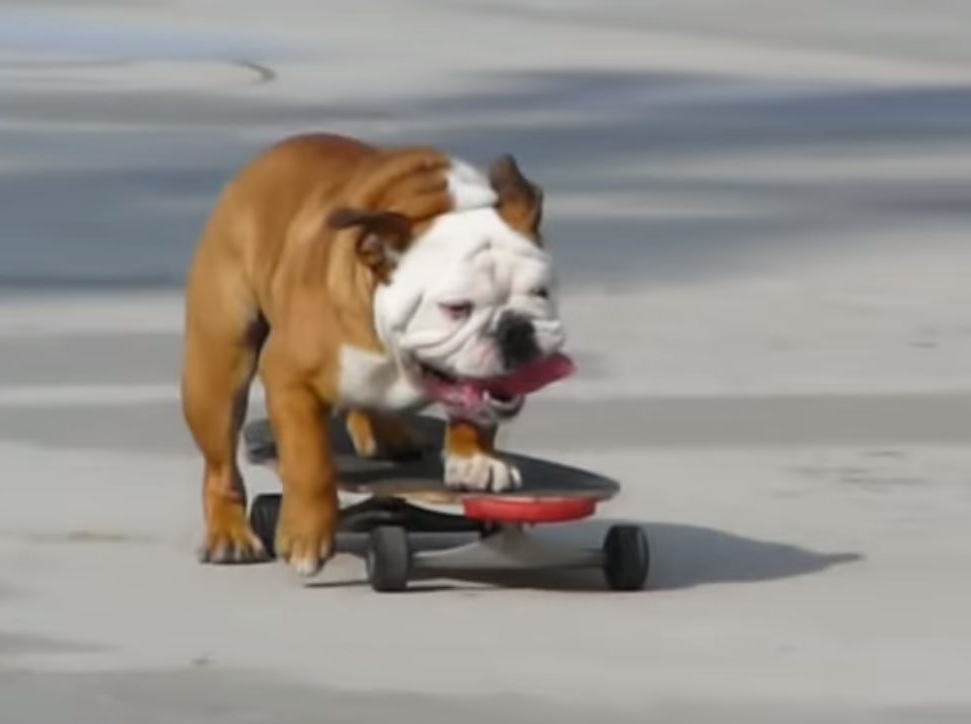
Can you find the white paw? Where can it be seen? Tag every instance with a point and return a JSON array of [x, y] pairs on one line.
[[306, 566], [481, 472]]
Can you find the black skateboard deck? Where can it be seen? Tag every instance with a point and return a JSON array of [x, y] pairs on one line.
[[420, 478]]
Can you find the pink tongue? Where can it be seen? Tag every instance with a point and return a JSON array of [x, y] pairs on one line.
[[469, 394], [532, 377]]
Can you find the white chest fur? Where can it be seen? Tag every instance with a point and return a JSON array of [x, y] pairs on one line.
[[374, 380]]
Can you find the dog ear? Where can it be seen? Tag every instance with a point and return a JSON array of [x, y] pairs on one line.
[[382, 237], [520, 200]]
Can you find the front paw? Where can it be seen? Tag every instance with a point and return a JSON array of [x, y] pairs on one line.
[[305, 534], [229, 538], [480, 472]]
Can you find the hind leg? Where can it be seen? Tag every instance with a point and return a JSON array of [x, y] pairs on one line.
[[222, 342], [382, 435]]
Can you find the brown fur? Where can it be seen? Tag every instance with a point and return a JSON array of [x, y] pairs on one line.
[[283, 275], [520, 201], [377, 435], [465, 439]]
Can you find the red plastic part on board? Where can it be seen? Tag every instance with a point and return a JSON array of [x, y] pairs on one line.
[[500, 509]]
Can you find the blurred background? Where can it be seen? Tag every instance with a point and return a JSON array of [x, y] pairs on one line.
[[760, 213], [678, 141], [705, 162]]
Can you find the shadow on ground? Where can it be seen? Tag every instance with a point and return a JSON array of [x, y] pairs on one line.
[[686, 556], [682, 556]]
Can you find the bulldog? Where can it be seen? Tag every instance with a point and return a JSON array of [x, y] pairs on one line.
[[362, 282]]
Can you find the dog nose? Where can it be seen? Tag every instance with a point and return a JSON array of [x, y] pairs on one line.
[[517, 341]]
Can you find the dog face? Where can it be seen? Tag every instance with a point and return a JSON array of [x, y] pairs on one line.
[[472, 303], [469, 308]]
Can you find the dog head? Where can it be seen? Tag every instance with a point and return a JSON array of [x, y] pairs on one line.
[[467, 295]]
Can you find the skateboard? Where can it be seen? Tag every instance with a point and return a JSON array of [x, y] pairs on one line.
[[412, 524]]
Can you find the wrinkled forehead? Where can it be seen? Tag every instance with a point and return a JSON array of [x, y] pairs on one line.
[[474, 254], [462, 235], [463, 255]]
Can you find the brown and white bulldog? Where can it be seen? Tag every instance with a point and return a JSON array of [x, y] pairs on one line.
[[361, 281]]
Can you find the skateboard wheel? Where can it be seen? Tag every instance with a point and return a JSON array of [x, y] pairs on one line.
[[388, 559], [263, 516], [626, 558]]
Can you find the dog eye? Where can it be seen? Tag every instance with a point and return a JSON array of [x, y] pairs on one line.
[[457, 310], [542, 293]]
